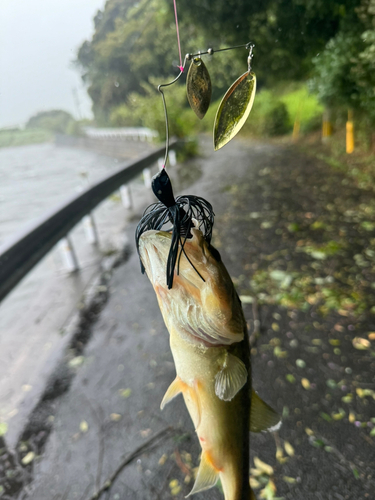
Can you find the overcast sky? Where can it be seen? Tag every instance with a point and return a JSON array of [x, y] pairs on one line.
[[38, 41]]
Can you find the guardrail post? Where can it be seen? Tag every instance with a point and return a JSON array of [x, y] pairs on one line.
[[68, 255], [90, 229], [172, 158], [126, 196], [147, 177]]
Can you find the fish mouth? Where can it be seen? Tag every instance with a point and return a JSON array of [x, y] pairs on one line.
[[154, 248]]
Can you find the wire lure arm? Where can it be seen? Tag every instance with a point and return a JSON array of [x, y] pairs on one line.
[[166, 111]]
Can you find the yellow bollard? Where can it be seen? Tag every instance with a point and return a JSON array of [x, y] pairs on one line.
[[296, 128], [326, 126], [350, 133], [297, 121]]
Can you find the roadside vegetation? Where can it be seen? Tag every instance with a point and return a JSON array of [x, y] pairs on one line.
[[19, 137], [42, 127]]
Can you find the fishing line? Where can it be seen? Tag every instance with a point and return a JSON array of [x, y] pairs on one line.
[[166, 112], [178, 34]]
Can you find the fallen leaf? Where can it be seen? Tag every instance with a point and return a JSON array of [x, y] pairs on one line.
[[348, 398], [246, 299], [262, 466], [77, 361], [316, 341], [125, 393], [361, 344], [254, 483], [338, 416], [83, 426], [305, 383], [290, 480], [289, 449], [175, 487], [28, 458], [175, 491], [145, 433], [3, 428], [279, 353], [279, 454], [334, 342], [269, 491]]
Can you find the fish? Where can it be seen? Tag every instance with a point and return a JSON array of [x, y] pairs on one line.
[[210, 348]]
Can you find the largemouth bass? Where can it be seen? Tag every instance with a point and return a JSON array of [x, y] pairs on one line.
[[209, 343]]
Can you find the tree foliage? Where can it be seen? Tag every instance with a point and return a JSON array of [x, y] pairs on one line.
[[56, 120], [130, 44], [344, 71], [135, 42], [146, 110], [287, 33]]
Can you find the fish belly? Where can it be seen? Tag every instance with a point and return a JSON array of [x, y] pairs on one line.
[[221, 426]]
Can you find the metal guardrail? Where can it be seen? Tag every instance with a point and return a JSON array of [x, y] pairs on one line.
[[135, 133], [22, 252]]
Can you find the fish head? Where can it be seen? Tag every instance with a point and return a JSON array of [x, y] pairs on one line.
[[202, 304]]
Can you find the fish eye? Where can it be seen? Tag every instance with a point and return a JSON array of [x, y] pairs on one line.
[[215, 253]]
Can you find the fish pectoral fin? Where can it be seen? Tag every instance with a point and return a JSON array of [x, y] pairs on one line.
[[207, 475], [262, 416], [173, 390], [195, 409], [231, 378]]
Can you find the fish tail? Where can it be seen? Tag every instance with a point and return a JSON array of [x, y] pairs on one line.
[[236, 489]]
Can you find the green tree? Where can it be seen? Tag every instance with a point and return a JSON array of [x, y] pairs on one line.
[[129, 45], [56, 120], [364, 67], [287, 33], [344, 71]]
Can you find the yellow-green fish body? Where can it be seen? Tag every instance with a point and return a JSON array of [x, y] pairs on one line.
[[222, 426], [209, 343]]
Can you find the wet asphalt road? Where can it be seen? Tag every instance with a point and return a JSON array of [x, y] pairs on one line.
[[111, 408]]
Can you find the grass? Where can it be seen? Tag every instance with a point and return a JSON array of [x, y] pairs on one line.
[[18, 137], [267, 119], [303, 106]]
